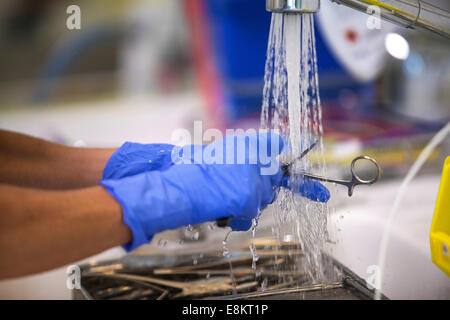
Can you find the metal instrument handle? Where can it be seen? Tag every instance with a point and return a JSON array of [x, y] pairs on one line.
[[356, 180]]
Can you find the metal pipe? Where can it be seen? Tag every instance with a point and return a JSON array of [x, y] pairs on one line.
[[408, 13], [415, 14]]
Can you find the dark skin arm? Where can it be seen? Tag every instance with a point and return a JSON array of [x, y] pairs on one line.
[[56, 213], [42, 230], [36, 163]]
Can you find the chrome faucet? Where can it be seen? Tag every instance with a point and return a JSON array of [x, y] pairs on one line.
[[415, 14], [293, 6]]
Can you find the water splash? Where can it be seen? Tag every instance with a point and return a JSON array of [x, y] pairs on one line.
[[252, 247], [255, 256], [227, 254], [291, 105]]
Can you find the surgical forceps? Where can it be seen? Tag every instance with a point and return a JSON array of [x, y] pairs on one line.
[[355, 180]]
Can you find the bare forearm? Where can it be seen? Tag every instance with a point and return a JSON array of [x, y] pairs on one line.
[[36, 163], [41, 230]]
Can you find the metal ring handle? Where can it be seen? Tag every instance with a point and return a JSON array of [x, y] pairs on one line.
[[358, 178]]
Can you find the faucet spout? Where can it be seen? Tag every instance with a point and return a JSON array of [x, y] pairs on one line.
[[293, 6]]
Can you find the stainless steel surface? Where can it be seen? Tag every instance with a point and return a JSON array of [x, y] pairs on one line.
[[278, 274], [415, 14], [212, 286], [293, 6]]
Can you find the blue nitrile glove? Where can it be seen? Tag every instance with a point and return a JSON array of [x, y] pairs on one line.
[[185, 194], [194, 193], [134, 158]]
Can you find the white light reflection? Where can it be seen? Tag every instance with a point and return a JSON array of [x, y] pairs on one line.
[[396, 46]]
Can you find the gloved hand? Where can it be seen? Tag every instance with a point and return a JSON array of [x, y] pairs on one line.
[[184, 194], [134, 158]]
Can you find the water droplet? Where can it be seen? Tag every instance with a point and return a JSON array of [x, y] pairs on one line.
[[212, 226], [255, 256], [226, 253], [162, 242], [264, 284], [79, 144]]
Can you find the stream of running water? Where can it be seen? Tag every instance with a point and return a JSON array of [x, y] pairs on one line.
[[291, 105]]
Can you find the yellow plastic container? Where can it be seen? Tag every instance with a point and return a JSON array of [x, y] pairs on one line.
[[440, 227]]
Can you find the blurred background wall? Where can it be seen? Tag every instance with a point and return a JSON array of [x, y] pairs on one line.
[[204, 59]]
